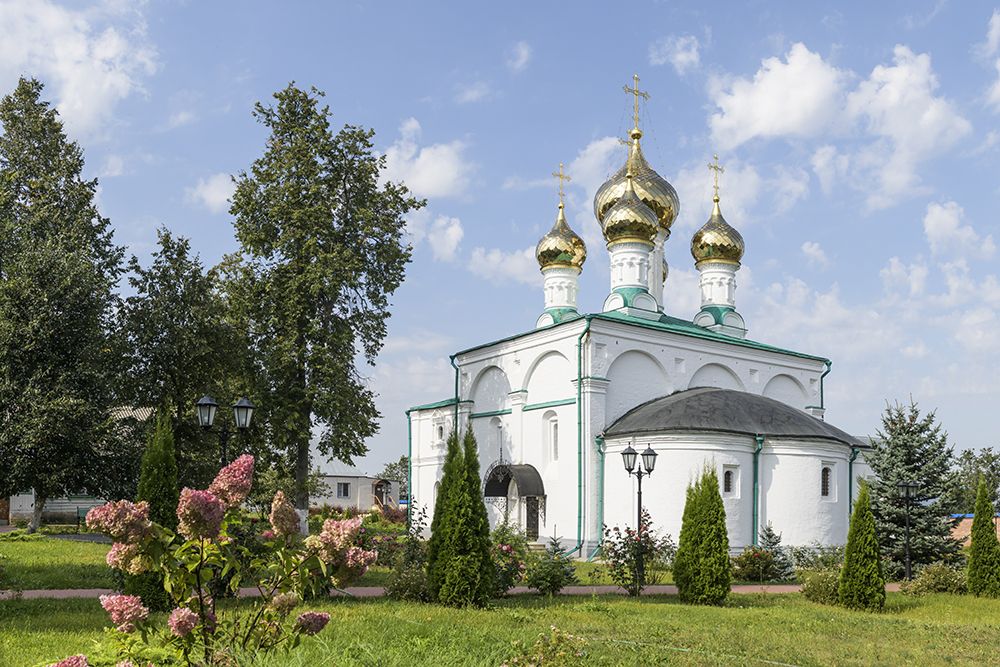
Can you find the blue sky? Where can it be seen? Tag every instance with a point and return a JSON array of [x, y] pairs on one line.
[[860, 142]]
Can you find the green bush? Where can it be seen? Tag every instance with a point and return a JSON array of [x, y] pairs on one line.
[[936, 578], [862, 583], [622, 549], [408, 579], [817, 556], [822, 586], [702, 570], [453, 475], [510, 556], [770, 540], [552, 571], [158, 476], [984, 552], [755, 564]]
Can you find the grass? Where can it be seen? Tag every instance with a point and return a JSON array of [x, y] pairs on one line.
[[935, 630], [48, 562]]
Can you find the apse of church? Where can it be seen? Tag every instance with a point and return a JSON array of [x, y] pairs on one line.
[[553, 407]]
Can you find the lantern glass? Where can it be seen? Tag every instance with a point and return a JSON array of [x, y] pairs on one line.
[[648, 459], [243, 413], [206, 411], [908, 488], [628, 458]]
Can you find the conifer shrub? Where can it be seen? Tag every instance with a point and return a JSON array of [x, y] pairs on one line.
[[158, 487], [702, 569], [552, 571], [770, 540], [984, 553], [862, 582], [453, 474]]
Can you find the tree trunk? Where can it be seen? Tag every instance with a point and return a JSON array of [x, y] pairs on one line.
[[36, 513]]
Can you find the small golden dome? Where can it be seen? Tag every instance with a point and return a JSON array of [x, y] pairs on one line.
[[561, 246], [717, 240], [654, 190], [629, 219]]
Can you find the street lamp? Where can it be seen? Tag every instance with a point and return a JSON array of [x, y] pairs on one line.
[[242, 414], [629, 456], [908, 489]]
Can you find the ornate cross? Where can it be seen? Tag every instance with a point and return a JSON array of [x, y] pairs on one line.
[[718, 169], [634, 90], [563, 178]]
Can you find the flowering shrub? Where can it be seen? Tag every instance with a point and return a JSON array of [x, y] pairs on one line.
[[937, 578], [755, 564], [510, 553], [408, 579], [622, 551], [209, 549]]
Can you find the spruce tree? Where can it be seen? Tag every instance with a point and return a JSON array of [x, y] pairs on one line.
[[469, 573], [984, 553], [158, 477], [912, 447], [862, 583], [452, 475], [770, 540], [702, 569]]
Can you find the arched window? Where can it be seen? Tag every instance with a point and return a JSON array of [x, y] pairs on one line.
[[550, 437], [554, 438], [727, 482], [825, 482], [440, 432]]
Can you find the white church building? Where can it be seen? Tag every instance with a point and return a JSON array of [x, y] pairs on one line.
[[552, 408]]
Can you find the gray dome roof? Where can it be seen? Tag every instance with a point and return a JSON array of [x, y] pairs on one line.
[[713, 409]]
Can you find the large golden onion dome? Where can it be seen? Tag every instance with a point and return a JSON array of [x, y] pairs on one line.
[[629, 219], [561, 246], [716, 240], [654, 190]]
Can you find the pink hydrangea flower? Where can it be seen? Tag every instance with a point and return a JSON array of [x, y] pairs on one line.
[[284, 520], [311, 622], [268, 534], [284, 603], [122, 520], [125, 610], [182, 621], [127, 558], [233, 482], [199, 514], [72, 661]]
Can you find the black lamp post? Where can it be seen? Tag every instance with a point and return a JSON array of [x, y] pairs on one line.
[[908, 489], [629, 456], [242, 414]]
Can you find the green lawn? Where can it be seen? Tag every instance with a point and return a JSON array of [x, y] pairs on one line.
[[935, 630], [48, 562]]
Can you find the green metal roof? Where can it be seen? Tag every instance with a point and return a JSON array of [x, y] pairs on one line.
[[430, 406], [666, 323]]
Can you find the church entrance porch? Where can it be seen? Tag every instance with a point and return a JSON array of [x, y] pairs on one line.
[[517, 495]]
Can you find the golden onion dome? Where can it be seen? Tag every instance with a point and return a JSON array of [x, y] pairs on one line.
[[717, 240], [654, 190], [561, 246], [629, 219]]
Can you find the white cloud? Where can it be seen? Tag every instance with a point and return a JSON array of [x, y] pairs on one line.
[[92, 56], [681, 52], [519, 56], [114, 165], [916, 350], [978, 330], [897, 275], [180, 118], [946, 233], [520, 183], [989, 48], [993, 94], [443, 234], [499, 266], [788, 186], [477, 91], [799, 96], [815, 255], [898, 105], [681, 294], [438, 170], [829, 166], [741, 186], [213, 192]]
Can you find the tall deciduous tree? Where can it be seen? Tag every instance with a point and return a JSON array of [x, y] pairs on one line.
[[322, 249], [912, 447], [58, 270], [178, 346], [973, 468]]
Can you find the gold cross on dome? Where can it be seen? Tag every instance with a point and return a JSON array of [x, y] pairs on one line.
[[718, 169], [634, 91], [563, 178]]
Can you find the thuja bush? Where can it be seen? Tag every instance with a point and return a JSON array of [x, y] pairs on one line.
[[702, 570], [862, 582], [623, 550], [198, 632], [984, 553]]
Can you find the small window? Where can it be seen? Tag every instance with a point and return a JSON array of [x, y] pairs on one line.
[[555, 440], [343, 489], [730, 482], [825, 482], [727, 482], [440, 432]]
